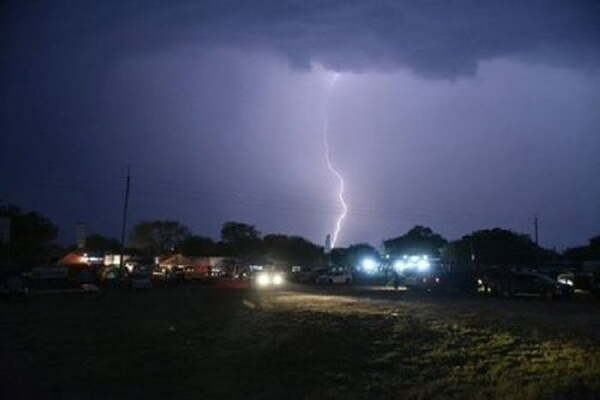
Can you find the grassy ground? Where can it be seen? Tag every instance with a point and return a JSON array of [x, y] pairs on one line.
[[205, 343]]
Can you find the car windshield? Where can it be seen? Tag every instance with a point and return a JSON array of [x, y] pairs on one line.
[[544, 278]]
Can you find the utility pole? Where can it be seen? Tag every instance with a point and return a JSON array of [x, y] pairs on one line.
[[124, 222], [472, 254], [537, 243]]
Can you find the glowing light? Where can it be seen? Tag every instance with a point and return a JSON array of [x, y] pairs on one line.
[[263, 279], [369, 265], [423, 265], [420, 263], [399, 265], [565, 281], [277, 280], [330, 166], [267, 279]]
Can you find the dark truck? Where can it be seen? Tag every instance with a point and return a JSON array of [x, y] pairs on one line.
[[507, 283]]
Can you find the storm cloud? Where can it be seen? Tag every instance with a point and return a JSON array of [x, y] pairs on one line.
[[456, 114], [443, 39]]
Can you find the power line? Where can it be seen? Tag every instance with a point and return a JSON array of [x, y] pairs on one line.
[[357, 208], [273, 201]]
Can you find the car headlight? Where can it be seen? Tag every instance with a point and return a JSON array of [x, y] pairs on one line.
[[277, 279], [566, 281], [399, 266], [423, 265], [263, 279], [369, 265]]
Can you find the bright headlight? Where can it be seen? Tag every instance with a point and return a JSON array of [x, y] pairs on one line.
[[277, 279], [399, 266], [423, 265], [263, 279], [369, 265], [565, 281]]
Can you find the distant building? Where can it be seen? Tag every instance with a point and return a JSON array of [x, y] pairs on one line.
[[115, 259], [206, 266], [82, 259]]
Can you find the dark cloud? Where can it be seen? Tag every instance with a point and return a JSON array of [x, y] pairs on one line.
[[199, 96], [433, 38]]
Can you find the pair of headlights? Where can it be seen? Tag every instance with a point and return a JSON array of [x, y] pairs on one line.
[[267, 279], [566, 281]]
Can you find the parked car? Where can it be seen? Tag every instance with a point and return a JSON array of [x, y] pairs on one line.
[[456, 281], [12, 282], [586, 282], [523, 283], [160, 275], [433, 282], [198, 273], [140, 280], [335, 276], [309, 275], [177, 275], [419, 282]]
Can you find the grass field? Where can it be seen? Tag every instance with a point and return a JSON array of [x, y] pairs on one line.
[[198, 342]]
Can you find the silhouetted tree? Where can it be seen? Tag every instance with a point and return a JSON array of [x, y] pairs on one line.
[[100, 243], [158, 237], [241, 240], [495, 247], [418, 240], [577, 254], [358, 252], [31, 235], [584, 253], [339, 256], [195, 245], [594, 247], [292, 250], [353, 255]]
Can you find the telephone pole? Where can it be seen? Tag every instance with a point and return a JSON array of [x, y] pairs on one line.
[[537, 243], [124, 222]]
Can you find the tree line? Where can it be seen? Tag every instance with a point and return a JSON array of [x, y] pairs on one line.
[[33, 240], [237, 239]]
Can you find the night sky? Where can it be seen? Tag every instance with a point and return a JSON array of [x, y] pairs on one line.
[[458, 115]]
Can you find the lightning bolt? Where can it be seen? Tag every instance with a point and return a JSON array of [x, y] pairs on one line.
[[330, 166]]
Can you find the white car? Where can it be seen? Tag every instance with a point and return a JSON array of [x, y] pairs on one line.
[[335, 276]]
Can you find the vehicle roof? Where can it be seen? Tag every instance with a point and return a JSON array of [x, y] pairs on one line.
[[536, 274]]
